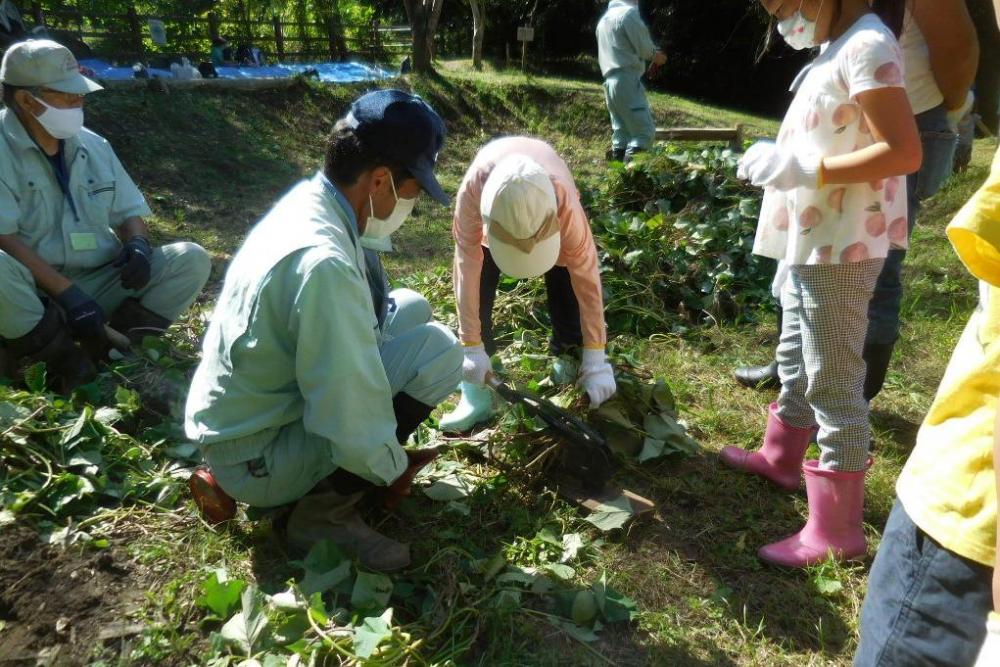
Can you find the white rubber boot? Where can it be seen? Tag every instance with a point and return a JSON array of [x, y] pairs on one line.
[[475, 407]]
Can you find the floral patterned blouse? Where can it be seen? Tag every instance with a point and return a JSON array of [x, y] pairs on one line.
[[837, 223]]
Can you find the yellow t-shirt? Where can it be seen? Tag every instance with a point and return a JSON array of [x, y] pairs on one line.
[[948, 486]]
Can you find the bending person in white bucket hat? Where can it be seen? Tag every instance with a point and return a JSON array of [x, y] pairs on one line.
[[519, 213]]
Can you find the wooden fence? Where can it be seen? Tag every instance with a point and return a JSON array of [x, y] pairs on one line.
[[127, 36]]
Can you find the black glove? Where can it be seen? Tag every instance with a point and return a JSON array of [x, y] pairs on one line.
[[84, 317], [134, 261]]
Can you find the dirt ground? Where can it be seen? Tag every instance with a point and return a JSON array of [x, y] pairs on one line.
[[62, 606]]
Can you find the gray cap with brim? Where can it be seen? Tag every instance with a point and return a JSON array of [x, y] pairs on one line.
[[43, 63]]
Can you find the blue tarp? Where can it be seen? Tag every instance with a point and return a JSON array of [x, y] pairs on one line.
[[328, 72]]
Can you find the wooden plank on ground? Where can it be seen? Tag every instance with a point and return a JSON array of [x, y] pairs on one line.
[[575, 494], [732, 135]]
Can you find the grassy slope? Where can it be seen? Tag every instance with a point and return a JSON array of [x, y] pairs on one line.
[[211, 164]]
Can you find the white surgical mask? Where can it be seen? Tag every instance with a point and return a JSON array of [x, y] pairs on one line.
[[61, 123], [378, 229], [798, 31]]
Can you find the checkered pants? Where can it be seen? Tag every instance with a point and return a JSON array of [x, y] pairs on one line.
[[819, 358]]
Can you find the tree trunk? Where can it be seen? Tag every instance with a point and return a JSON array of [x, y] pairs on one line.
[[478, 34], [432, 24], [423, 16]]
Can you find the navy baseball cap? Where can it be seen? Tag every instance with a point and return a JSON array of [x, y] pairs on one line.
[[405, 127]]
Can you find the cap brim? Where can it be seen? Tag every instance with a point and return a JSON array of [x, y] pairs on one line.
[[76, 84], [424, 173], [516, 264]]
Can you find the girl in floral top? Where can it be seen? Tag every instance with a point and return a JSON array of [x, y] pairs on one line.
[[834, 204]]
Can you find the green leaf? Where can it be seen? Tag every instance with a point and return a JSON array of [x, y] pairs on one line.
[[372, 632], [663, 397], [507, 600], [452, 487], [371, 591], [326, 566], [458, 508], [611, 515], [618, 608], [245, 628], [108, 416], [73, 433], [614, 414], [564, 572], [827, 586], [35, 377], [127, 400], [572, 543], [219, 594], [651, 449], [585, 635]]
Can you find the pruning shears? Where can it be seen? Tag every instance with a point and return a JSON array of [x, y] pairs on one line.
[[588, 457]]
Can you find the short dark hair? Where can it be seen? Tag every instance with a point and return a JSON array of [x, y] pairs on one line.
[[348, 156], [8, 93]]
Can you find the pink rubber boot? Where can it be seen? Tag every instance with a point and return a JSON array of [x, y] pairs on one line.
[[779, 459], [834, 530]]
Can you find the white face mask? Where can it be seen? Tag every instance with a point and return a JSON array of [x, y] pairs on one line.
[[798, 31], [61, 123], [382, 228]]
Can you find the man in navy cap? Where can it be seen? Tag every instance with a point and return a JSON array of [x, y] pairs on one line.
[[314, 374]]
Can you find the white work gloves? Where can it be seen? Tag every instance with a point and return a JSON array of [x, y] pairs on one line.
[[596, 377], [476, 364], [766, 166], [956, 116], [989, 655]]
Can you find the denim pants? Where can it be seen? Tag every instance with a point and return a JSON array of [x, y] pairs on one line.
[[939, 144], [925, 606]]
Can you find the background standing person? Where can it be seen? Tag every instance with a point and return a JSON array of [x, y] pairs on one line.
[[940, 53], [624, 46], [519, 214], [73, 243]]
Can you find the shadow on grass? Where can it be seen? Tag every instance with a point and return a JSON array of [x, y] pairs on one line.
[[714, 520]]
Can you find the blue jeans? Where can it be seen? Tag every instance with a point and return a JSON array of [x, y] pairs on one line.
[[939, 144], [926, 606]]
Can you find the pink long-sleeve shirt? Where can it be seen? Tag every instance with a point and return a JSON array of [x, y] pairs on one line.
[[577, 251]]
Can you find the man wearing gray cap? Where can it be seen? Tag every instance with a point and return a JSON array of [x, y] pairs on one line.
[[73, 243], [313, 374]]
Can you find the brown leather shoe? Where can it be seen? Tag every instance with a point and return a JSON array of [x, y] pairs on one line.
[[215, 504]]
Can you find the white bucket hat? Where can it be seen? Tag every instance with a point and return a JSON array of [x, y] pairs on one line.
[[519, 212], [45, 64]]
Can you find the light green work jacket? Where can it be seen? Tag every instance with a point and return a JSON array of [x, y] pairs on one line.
[[294, 336], [70, 237], [623, 41]]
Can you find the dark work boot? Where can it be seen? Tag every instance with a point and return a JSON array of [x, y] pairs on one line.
[[136, 321], [761, 377], [66, 365], [615, 155], [877, 356], [631, 153], [410, 413]]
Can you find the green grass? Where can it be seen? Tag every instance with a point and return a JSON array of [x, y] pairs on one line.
[[211, 164]]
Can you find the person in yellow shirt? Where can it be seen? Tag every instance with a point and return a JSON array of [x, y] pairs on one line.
[[934, 581]]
